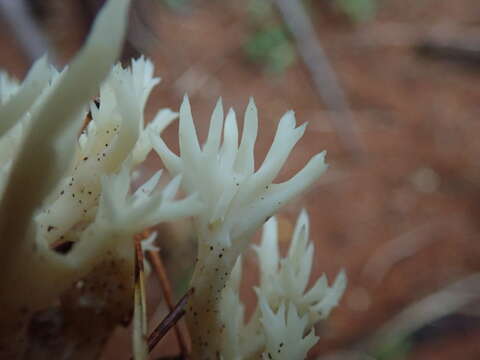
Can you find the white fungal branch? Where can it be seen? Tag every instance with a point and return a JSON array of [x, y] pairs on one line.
[[237, 200], [281, 327], [287, 279]]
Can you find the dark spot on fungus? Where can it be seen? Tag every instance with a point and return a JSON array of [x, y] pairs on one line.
[[64, 247]]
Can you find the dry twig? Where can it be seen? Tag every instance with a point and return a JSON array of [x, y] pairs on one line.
[[398, 249], [447, 42], [322, 73], [140, 309], [444, 302], [29, 35], [169, 321], [159, 268]]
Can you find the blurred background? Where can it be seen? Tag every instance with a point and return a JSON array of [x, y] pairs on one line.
[[390, 88]]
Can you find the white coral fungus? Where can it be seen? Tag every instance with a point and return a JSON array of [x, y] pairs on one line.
[[58, 188], [237, 200], [281, 328]]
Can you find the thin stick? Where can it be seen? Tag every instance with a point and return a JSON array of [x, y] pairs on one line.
[[446, 301], [139, 314], [28, 34], [160, 270], [402, 247], [170, 320], [323, 74], [435, 306]]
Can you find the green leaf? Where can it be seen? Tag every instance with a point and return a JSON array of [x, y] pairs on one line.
[[272, 48], [358, 10], [393, 349]]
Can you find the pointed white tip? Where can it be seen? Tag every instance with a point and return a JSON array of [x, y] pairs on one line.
[[323, 156], [185, 102]]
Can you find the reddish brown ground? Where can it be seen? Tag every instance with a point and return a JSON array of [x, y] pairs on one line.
[[419, 119]]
